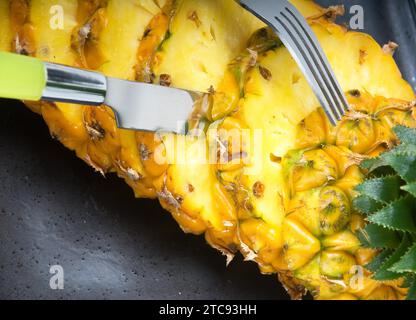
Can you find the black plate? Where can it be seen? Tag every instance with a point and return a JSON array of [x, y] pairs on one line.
[[54, 210]]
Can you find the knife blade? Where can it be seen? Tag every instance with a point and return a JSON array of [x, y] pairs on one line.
[[137, 106]]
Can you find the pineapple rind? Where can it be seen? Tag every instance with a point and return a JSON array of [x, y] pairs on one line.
[[257, 207], [53, 44], [119, 61]]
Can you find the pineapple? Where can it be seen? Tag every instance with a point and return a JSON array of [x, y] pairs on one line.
[[281, 187]]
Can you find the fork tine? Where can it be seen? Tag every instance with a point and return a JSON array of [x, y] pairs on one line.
[[304, 47], [313, 41], [315, 62], [288, 37]]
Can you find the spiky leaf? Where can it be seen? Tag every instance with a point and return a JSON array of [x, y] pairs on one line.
[[385, 189], [379, 260], [366, 205], [405, 134], [399, 215], [378, 237], [392, 213], [402, 158], [411, 295], [407, 281], [407, 263], [373, 164], [384, 273], [384, 171], [405, 149], [403, 163], [411, 188]]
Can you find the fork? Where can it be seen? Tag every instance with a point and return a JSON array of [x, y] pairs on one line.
[[299, 39]]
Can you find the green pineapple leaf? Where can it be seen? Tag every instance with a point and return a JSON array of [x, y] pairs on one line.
[[405, 148], [407, 281], [385, 189], [379, 260], [407, 263], [378, 237], [411, 188], [404, 164], [383, 273], [388, 199], [399, 215], [366, 205], [373, 164], [411, 295], [405, 134]]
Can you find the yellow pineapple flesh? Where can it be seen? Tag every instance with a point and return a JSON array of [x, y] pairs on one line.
[[281, 186], [5, 23]]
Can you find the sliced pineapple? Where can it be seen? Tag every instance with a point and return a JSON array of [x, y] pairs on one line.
[[203, 38], [113, 149], [267, 175]]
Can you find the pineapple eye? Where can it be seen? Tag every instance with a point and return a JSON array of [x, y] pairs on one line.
[[392, 117], [230, 143], [355, 93], [223, 102], [261, 240], [152, 153], [383, 292], [300, 246], [94, 127], [357, 133], [312, 132], [335, 264], [342, 241], [334, 210], [315, 169]]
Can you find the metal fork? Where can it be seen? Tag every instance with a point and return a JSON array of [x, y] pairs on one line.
[[299, 39]]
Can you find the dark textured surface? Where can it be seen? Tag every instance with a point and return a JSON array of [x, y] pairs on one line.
[[56, 210]]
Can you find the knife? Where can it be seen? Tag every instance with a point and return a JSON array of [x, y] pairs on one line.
[[137, 106]]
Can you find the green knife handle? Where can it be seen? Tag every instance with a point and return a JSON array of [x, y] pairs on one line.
[[27, 78], [21, 77]]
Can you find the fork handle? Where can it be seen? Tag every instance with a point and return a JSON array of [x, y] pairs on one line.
[[27, 78]]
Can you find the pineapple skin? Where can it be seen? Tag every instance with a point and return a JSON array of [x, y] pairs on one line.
[[289, 208]]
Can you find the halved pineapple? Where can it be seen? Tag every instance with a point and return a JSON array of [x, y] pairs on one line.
[[280, 190]]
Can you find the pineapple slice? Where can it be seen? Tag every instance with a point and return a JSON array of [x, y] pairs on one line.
[[112, 149], [119, 59], [92, 132], [53, 44], [204, 37]]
